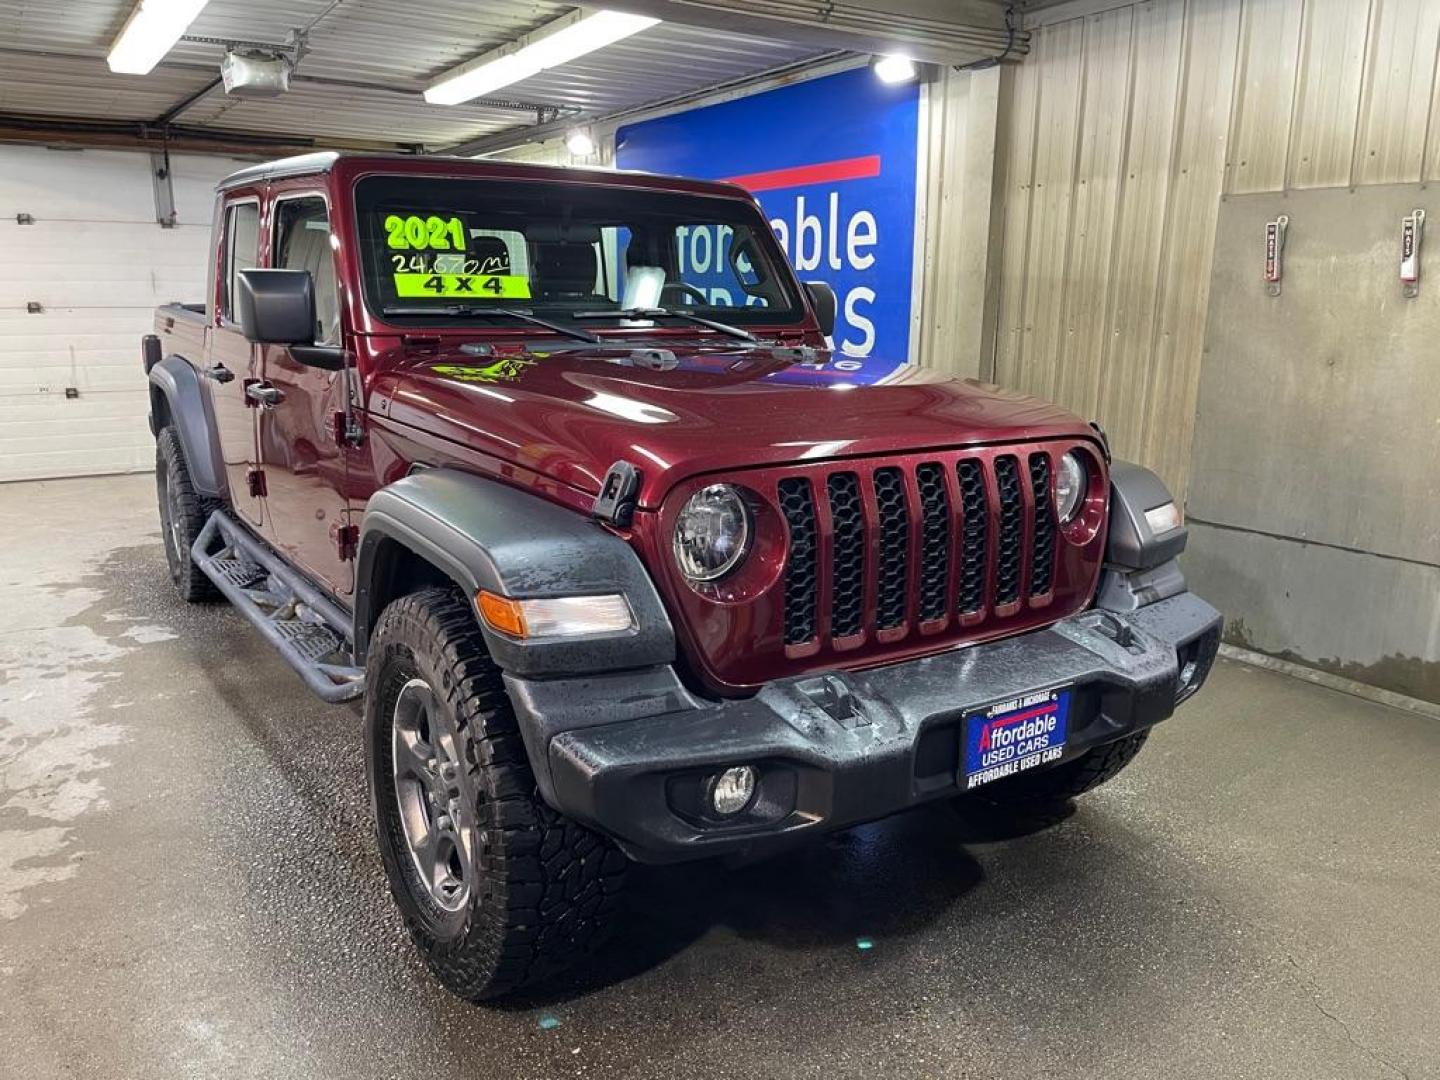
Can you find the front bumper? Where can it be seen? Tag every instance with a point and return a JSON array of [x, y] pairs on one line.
[[631, 754]]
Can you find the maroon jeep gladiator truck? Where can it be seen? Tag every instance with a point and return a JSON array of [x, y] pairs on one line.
[[622, 562]]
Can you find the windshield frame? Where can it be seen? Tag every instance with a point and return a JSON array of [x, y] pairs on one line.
[[737, 207]]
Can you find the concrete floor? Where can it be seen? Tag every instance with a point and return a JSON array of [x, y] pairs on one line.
[[189, 886]]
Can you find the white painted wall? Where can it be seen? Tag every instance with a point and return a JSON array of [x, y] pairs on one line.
[[98, 262]]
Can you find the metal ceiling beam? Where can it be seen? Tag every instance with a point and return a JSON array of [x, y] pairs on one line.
[[173, 113], [933, 31], [142, 135]]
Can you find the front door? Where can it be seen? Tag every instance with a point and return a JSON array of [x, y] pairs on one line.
[[300, 452], [231, 361]]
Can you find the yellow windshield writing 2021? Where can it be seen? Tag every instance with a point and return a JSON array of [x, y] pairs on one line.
[[477, 286]]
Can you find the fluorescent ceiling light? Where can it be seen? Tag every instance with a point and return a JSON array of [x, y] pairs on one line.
[[894, 68], [550, 46], [150, 32]]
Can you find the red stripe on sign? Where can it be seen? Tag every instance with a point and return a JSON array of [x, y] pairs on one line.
[[1028, 714], [827, 172]]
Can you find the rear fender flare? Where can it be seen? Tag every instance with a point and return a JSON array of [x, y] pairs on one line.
[[482, 534], [176, 381]]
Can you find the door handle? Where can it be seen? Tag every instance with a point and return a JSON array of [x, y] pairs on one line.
[[265, 396], [220, 373]]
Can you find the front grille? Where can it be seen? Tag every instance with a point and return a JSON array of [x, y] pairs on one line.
[[847, 581], [894, 548], [934, 541], [1042, 570], [975, 533], [969, 536], [801, 594], [1011, 533]]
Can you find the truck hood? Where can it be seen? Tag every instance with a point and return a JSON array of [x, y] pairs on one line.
[[570, 413]]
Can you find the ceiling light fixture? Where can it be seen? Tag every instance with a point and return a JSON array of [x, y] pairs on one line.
[[579, 143], [554, 44], [894, 68], [151, 31]]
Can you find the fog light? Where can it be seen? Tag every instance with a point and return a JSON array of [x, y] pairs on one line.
[[732, 790]]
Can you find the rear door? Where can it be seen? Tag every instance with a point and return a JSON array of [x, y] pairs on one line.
[[231, 362], [303, 460]]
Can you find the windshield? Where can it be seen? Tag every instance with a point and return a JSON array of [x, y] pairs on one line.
[[557, 250]]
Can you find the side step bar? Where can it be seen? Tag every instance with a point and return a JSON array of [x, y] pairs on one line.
[[309, 630]]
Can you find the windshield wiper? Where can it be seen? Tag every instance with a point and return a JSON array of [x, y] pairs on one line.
[[468, 311], [666, 313]]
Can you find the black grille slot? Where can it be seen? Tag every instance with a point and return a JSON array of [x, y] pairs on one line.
[[1042, 571], [893, 573], [934, 541], [848, 581], [974, 537], [1009, 543], [801, 594]]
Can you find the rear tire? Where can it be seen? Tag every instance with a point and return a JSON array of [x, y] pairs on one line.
[[497, 889], [1041, 791], [183, 514]]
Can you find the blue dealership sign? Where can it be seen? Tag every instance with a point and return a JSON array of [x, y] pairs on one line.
[[833, 163]]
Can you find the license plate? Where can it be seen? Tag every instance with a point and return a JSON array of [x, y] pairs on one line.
[[1012, 736]]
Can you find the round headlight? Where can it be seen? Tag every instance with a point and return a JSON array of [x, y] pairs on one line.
[[1070, 486], [711, 533]]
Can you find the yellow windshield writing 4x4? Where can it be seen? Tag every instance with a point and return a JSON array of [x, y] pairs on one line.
[[476, 286]]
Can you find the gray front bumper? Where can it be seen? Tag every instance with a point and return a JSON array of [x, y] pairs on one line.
[[630, 753]]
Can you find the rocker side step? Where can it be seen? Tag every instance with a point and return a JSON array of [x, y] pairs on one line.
[[308, 629]]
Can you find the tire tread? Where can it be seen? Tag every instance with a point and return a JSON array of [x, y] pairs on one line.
[[192, 585], [545, 886]]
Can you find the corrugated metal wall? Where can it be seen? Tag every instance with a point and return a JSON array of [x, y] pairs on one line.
[[1122, 131]]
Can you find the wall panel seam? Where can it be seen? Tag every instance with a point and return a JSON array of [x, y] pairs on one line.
[[1430, 112], [1177, 129], [1366, 95], [1107, 345], [1302, 58]]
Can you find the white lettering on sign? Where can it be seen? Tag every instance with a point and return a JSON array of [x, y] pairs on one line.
[[862, 231], [855, 297], [836, 242]]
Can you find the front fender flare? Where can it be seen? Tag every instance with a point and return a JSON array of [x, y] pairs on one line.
[[483, 534]]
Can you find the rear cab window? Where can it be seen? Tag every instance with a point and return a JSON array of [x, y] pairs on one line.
[[240, 251]]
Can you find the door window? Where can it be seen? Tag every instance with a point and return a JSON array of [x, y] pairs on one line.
[[242, 251], [302, 242]]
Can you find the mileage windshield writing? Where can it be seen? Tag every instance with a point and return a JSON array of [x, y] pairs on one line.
[[435, 256]]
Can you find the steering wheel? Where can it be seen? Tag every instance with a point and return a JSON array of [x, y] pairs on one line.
[[681, 286]]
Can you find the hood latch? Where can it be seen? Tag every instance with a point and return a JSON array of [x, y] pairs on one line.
[[616, 501]]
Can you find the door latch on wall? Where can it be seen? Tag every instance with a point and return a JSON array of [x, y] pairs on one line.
[[1275, 253], [1412, 231]]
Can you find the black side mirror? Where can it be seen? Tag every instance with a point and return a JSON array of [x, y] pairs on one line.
[[277, 307], [822, 299]]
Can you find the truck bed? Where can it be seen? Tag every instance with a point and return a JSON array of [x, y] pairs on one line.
[[181, 329]]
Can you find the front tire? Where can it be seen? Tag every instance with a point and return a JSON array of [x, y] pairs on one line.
[[497, 889], [183, 513]]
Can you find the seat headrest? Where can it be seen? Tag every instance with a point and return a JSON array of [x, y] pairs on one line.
[[492, 254]]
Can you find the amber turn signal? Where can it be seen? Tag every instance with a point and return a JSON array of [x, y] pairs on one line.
[[555, 616], [501, 613]]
